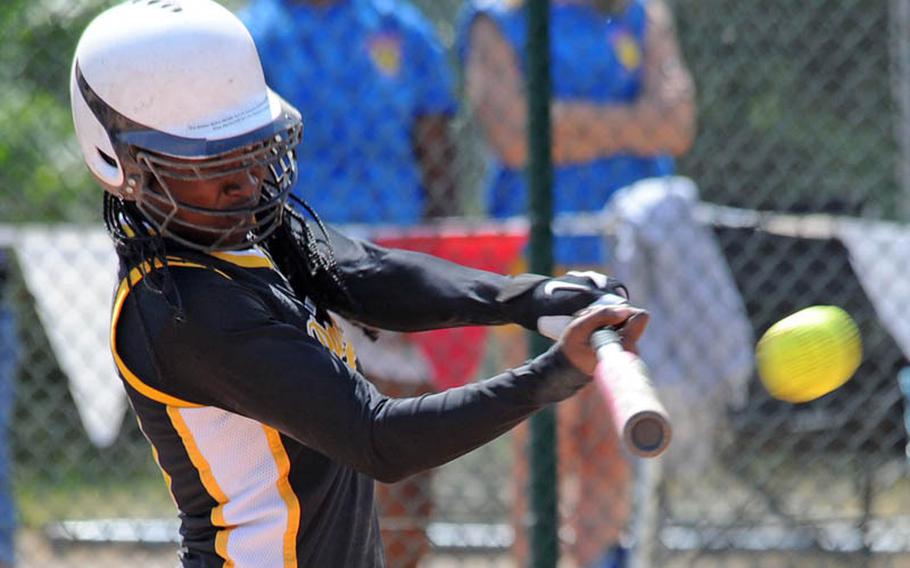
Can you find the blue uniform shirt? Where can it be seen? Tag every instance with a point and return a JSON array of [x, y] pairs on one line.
[[360, 72], [595, 57]]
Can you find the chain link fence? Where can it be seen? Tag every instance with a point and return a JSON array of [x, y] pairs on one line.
[[795, 194]]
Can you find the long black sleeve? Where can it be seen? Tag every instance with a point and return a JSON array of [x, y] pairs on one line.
[[404, 290], [435, 429], [230, 351]]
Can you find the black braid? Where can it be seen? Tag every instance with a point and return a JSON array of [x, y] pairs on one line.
[[310, 268], [141, 248]]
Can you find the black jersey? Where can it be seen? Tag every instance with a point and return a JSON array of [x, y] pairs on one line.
[[267, 435]]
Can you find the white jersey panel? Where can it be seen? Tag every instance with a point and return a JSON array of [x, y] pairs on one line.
[[252, 482]]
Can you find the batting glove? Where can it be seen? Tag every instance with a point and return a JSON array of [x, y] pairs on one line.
[[547, 305]]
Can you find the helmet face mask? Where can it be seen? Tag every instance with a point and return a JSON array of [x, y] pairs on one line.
[[270, 165], [158, 126]]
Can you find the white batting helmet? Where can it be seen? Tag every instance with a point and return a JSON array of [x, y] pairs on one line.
[[175, 89]]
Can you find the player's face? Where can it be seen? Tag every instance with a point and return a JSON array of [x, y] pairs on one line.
[[229, 190]]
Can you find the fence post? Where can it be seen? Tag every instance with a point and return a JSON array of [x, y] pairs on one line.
[[544, 541], [899, 45]]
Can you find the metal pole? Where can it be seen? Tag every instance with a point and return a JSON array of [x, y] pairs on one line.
[[899, 43], [544, 541]]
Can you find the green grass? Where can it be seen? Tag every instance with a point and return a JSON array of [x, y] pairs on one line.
[[40, 502]]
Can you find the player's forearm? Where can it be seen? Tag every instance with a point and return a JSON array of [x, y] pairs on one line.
[[421, 292], [314, 398], [407, 291], [411, 435]]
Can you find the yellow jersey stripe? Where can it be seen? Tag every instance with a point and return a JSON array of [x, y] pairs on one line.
[[208, 481], [283, 462], [135, 276], [245, 260], [167, 478]]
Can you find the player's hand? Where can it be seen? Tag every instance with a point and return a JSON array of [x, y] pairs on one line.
[[575, 343], [547, 305], [558, 299]]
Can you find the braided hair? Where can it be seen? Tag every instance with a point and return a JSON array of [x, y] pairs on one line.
[[305, 260], [139, 245], [143, 249]]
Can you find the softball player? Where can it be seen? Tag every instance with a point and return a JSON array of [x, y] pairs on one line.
[[268, 436]]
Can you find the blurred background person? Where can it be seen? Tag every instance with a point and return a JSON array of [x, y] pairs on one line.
[[378, 144], [623, 106], [376, 93]]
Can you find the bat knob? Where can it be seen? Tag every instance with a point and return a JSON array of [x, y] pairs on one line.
[[648, 433]]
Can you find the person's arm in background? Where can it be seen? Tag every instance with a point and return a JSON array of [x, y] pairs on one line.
[[661, 121], [435, 105], [435, 151]]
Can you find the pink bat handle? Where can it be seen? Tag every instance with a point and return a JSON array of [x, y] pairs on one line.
[[642, 422]]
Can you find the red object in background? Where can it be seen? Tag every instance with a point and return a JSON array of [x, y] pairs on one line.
[[455, 354]]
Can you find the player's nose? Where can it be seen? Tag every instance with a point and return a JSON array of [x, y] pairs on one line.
[[241, 188]]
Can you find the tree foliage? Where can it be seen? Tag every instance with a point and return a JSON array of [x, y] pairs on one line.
[[41, 174], [795, 105]]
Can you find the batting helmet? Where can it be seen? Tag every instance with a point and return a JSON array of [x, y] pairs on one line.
[[175, 90]]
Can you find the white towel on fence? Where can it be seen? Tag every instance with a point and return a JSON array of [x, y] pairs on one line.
[[880, 257], [699, 345]]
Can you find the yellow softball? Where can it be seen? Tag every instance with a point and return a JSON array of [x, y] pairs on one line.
[[808, 354]]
